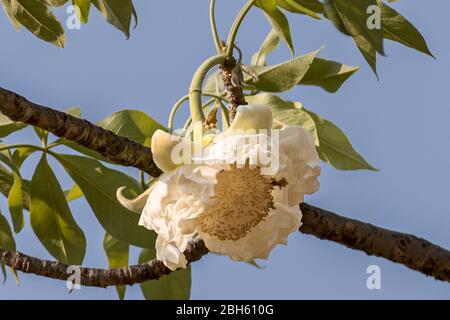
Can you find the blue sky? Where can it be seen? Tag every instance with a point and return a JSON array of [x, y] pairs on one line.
[[400, 124]]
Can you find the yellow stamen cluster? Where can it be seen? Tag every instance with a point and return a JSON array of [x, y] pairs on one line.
[[243, 198]]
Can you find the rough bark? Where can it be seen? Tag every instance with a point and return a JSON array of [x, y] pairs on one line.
[[115, 148], [94, 277], [235, 94], [416, 253]]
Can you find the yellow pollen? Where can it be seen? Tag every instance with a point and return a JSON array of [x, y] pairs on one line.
[[243, 198]]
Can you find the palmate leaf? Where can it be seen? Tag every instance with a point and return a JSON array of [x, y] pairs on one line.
[[304, 70], [278, 20], [16, 190], [350, 17], [327, 74], [51, 219], [175, 286], [332, 144], [270, 43], [117, 253], [132, 124], [7, 241], [119, 13], [335, 148], [284, 76], [297, 7], [37, 18], [57, 3], [7, 8], [397, 28], [7, 126], [99, 185], [313, 5], [85, 8], [6, 183], [15, 199]]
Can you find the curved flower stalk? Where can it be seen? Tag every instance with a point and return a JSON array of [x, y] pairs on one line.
[[240, 193]]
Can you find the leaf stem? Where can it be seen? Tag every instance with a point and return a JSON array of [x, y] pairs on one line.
[[195, 90], [15, 146], [174, 110], [215, 34], [235, 27]]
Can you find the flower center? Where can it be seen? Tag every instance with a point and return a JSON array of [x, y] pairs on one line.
[[243, 198]]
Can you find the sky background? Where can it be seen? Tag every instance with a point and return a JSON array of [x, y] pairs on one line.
[[400, 124]]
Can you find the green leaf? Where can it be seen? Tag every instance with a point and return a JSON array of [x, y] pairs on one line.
[[6, 182], [354, 15], [397, 28], [335, 148], [8, 243], [286, 113], [51, 219], [15, 195], [313, 5], [297, 7], [21, 154], [74, 111], [99, 185], [284, 76], [214, 83], [6, 237], [117, 12], [7, 8], [175, 286], [15, 202], [56, 3], [133, 124], [270, 43], [117, 253], [42, 134], [327, 74], [351, 17], [368, 52], [7, 126], [37, 17], [278, 21], [74, 193], [85, 8]]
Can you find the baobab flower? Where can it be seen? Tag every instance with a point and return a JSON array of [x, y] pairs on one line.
[[240, 205]]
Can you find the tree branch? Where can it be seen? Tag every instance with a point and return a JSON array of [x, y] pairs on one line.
[[416, 253], [115, 148], [94, 277]]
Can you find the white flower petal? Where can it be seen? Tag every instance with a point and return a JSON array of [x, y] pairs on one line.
[[170, 254], [169, 150], [251, 118], [173, 205], [301, 163], [183, 193]]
